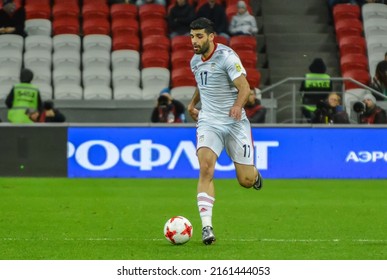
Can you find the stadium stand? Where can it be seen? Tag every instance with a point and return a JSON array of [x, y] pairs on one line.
[[352, 44], [123, 76], [243, 42], [67, 42], [125, 59], [11, 41], [38, 42], [38, 26], [62, 36]]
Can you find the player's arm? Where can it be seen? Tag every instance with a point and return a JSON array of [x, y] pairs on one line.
[[192, 105], [243, 87]]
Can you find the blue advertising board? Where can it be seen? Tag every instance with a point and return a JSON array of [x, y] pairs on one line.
[[280, 152]]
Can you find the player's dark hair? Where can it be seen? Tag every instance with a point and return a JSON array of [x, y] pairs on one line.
[[203, 23]]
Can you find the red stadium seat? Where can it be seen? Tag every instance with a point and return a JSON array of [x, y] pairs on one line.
[[181, 59], [126, 43], [155, 58], [40, 11], [123, 11], [345, 11], [348, 27], [85, 2], [156, 42], [249, 58], [153, 27], [66, 25], [352, 44], [221, 40], [65, 9], [353, 61], [182, 77], [95, 11], [253, 77], [67, 2], [96, 26], [128, 26], [359, 75], [152, 11], [36, 2], [181, 43], [243, 42]]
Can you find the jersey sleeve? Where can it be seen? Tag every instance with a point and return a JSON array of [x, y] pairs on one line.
[[234, 67]]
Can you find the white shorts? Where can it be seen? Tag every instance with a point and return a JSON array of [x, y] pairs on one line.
[[235, 137]]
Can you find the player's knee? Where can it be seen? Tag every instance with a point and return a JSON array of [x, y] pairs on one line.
[[246, 182], [206, 170]]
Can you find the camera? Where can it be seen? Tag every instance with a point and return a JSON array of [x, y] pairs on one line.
[[359, 107]]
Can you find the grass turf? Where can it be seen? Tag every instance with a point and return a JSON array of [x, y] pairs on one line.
[[123, 219]]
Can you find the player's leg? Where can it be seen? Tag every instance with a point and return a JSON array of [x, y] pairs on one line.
[[206, 192], [240, 147], [209, 147], [248, 176]]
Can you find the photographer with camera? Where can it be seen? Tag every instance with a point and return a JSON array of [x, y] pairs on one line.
[[368, 112], [168, 110], [330, 111], [48, 114]]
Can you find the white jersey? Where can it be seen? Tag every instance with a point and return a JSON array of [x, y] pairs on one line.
[[214, 78]]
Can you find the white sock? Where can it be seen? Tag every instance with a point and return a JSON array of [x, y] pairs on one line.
[[205, 204]]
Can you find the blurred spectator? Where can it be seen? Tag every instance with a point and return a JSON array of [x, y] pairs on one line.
[[315, 87], [142, 2], [168, 109], [243, 23], [255, 112], [11, 19], [48, 114], [369, 112], [379, 81], [23, 96], [217, 14], [330, 111], [180, 17]]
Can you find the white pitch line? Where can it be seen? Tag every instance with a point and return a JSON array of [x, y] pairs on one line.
[[273, 240]]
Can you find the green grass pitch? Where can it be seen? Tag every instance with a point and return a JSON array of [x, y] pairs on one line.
[[123, 219]]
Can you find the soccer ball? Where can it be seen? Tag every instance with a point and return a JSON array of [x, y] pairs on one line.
[[178, 230]]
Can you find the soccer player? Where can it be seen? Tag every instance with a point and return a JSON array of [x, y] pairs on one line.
[[223, 90]]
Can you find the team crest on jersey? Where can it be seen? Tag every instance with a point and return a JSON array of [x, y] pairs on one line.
[[212, 66], [238, 67]]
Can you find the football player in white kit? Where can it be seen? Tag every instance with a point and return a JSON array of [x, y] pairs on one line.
[[222, 89]]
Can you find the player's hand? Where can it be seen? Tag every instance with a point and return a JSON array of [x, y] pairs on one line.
[[194, 113], [236, 112]]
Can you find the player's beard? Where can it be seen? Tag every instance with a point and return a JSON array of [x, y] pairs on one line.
[[203, 49]]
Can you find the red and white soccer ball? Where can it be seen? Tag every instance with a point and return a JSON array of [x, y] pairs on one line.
[[178, 230]]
